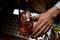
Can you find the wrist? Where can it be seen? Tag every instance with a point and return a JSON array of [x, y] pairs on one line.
[[53, 12], [57, 5]]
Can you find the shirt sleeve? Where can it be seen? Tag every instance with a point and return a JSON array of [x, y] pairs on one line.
[[57, 5]]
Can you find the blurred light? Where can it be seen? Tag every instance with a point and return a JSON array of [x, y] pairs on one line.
[[16, 11]]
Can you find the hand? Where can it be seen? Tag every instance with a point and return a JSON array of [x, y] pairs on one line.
[[44, 22]]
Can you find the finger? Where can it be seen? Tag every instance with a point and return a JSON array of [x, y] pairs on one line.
[[42, 30], [38, 22], [38, 28], [46, 30]]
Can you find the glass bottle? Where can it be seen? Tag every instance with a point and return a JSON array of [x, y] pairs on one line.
[[26, 20]]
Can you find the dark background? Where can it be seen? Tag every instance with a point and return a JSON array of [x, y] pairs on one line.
[[6, 8]]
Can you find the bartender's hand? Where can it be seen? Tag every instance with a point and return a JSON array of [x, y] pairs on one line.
[[44, 22]]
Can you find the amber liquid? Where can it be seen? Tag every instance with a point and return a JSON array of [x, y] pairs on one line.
[[26, 26]]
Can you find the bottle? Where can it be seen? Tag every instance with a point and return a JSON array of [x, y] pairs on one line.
[[26, 20]]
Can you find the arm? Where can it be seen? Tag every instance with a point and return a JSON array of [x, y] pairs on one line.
[[58, 5], [45, 21]]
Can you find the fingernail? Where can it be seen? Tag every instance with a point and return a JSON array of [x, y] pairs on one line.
[[34, 36], [31, 36]]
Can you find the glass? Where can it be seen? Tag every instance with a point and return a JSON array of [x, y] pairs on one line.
[[25, 22]]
